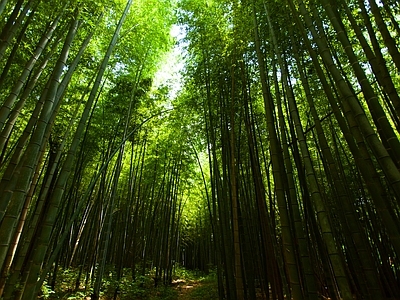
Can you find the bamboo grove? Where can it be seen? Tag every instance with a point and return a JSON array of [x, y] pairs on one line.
[[277, 164]]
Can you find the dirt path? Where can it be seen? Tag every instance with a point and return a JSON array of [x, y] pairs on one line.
[[193, 289], [185, 288]]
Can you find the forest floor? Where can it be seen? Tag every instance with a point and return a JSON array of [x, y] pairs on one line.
[[195, 289], [185, 286]]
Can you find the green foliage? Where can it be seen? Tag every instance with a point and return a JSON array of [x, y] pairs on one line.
[[46, 291], [203, 286], [206, 290], [77, 295], [173, 189]]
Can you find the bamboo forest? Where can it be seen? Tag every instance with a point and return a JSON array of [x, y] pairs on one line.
[[199, 149]]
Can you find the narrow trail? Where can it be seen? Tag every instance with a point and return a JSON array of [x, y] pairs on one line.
[[193, 289], [185, 288]]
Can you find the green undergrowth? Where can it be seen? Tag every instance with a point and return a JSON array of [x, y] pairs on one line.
[[207, 289], [196, 285], [186, 284]]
